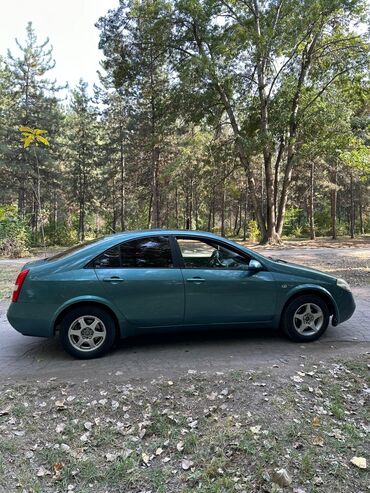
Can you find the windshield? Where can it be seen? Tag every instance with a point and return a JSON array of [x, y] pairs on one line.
[[73, 249]]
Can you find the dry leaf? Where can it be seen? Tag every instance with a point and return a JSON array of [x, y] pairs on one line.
[[60, 427], [359, 462], [281, 477], [297, 379], [255, 429], [145, 458], [180, 446], [60, 404], [186, 464], [318, 441], [41, 472], [316, 422]]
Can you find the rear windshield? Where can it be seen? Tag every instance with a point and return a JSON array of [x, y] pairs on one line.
[[73, 249]]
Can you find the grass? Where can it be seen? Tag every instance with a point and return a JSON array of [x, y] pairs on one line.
[[8, 274], [234, 442]]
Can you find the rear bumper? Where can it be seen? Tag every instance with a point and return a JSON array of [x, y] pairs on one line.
[[32, 319]]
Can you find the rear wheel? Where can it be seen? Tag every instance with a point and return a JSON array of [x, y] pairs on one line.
[[87, 332], [306, 318]]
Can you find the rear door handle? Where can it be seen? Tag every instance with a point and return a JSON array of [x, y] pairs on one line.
[[197, 280], [113, 279]]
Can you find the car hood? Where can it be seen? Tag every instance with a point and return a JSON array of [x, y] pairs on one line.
[[302, 271]]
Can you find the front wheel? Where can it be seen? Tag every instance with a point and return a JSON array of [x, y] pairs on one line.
[[306, 318], [87, 332]]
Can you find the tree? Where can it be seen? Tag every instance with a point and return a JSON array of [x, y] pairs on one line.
[[81, 162], [33, 103]]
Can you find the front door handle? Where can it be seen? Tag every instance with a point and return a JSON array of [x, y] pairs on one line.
[[113, 279], [196, 280]]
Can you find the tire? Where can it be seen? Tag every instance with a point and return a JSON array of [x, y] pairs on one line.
[[305, 318], [87, 332]]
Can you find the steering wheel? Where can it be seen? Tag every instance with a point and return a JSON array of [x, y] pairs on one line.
[[215, 259]]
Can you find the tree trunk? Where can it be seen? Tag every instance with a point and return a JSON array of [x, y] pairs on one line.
[[360, 211], [352, 208], [123, 187], [311, 203], [177, 207], [334, 195], [155, 219]]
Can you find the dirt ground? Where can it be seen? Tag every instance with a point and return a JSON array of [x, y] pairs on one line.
[[236, 431]]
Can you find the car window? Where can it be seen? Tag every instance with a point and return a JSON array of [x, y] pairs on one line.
[[200, 254], [148, 252]]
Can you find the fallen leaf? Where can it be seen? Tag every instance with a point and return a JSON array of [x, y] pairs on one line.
[[41, 472], [85, 437], [359, 462], [281, 477], [318, 441], [60, 404], [186, 464], [255, 429], [316, 422], [180, 446], [145, 458], [297, 379], [60, 427]]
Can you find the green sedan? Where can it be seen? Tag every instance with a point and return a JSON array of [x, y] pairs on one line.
[[156, 280]]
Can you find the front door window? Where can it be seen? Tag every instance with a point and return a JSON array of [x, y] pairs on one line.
[[199, 254]]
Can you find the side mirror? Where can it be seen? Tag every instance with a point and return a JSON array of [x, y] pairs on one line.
[[254, 265]]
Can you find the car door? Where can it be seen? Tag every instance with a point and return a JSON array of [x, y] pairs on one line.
[[219, 288], [139, 276]]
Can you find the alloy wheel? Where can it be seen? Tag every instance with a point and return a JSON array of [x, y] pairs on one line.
[[87, 333], [308, 319]]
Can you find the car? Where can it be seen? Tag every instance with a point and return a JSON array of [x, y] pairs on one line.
[[166, 280]]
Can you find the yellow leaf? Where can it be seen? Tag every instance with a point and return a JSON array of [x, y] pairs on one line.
[[316, 422], [26, 129], [37, 131], [42, 140], [28, 140]]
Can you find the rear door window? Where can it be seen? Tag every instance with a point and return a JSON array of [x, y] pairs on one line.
[[148, 252]]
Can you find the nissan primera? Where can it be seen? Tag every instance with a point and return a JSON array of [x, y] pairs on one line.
[[155, 280]]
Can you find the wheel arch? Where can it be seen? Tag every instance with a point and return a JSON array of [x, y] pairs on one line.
[[80, 303], [321, 292]]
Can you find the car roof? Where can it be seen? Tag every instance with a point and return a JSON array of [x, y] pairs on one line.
[[159, 231]]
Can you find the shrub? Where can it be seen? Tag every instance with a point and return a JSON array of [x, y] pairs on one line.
[[14, 233], [61, 234], [253, 231]]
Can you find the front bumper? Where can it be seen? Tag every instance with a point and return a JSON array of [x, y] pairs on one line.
[[32, 319], [346, 307]]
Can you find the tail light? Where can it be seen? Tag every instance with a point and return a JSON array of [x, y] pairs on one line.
[[19, 283]]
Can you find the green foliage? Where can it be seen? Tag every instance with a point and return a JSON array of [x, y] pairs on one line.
[[61, 234], [253, 230], [14, 233]]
